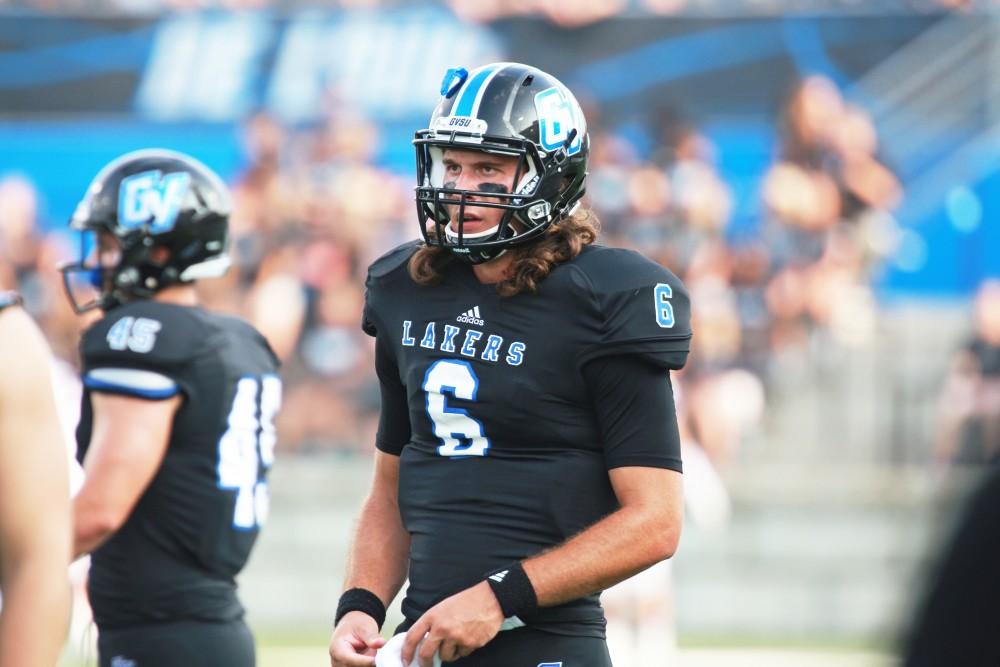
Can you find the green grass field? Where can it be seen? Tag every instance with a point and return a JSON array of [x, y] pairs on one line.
[[284, 651]]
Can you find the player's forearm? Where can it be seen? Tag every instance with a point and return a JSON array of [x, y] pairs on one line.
[[379, 554], [93, 524], [35, 613], [615, 548], [85, 542]]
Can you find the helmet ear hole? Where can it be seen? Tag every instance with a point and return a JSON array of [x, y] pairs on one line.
[[160, 254]]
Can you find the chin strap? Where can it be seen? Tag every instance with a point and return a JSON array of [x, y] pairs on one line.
[[479, 256]]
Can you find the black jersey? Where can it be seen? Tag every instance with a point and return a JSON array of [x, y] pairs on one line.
[[191, 532], [484, 400]]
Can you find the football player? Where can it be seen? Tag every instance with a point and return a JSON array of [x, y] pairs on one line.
[[176, 432], [34, 499], [527, 452]]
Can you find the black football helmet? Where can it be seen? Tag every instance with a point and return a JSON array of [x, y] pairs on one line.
[[506, 109], [143, 201]]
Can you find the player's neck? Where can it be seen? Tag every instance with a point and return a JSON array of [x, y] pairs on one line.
[[181, 295], [494, 270]]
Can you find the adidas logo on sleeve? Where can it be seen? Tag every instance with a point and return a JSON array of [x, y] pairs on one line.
[[471, 316]]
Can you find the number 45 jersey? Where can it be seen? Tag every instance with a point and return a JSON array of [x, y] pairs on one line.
[[193, 528], [485, 401]]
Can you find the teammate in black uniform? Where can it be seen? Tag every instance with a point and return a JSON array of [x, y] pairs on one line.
[[176, 432], [528, 454]]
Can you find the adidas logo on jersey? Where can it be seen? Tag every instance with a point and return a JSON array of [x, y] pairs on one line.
[[471, 316], [499, 576]]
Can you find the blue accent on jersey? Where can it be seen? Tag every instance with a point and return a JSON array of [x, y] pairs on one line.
[[428, 340], [448, 344], [493, 343], [450, 390], [114, 387], [664, 309], [246, 446], [469, 346], [515, 355], [408, 340]]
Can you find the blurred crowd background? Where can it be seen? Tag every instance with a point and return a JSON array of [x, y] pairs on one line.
[[823, 183]]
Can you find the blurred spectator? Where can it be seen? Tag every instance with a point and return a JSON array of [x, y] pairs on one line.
[[969, 413], [828, 172], [566, 13], [563, 12], [827, 198], [18, 236], [312, 208]]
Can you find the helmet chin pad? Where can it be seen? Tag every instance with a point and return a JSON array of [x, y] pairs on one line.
[[486, 233]]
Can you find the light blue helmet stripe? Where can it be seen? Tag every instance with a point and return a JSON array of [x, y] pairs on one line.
[[467, 101]]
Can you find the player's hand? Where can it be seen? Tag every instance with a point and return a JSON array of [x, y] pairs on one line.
[[455, 627], [355, 641]]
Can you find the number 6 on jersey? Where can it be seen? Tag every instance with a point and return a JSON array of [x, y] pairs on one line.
[[664, 309], [460, 434]]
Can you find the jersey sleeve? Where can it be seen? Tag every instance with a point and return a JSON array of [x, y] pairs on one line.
[[141, 353], [378, 273], [368, 313], [634, 404], [641, 309], [394, 416]]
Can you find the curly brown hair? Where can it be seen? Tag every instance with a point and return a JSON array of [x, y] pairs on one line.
[[532, 262]]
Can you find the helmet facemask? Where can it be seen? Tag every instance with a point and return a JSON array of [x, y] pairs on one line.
[[88, 281], [114, 269]]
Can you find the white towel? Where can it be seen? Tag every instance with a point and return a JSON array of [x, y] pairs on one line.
[[391, 655]]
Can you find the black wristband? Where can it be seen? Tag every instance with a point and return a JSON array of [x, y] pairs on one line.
[[513, 589], [361, 599]]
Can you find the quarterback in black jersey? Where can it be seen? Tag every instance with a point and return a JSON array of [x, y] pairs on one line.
[[527, 451], [176, 432]]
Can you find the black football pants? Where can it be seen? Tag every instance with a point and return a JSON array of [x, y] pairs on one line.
[[178, 644], [527, 647]]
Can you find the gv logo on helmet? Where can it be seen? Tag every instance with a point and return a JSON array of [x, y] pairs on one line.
[[558, 114], [151, 198]]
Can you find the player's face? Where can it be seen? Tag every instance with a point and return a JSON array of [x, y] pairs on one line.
[[479, 172], [105, 256], [109, 251], [92, 275]]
